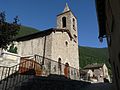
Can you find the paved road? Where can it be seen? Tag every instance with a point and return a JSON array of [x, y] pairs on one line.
[[50, 83], [98, 86]]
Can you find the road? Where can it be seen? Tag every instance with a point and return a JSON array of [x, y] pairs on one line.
[[98, 86]]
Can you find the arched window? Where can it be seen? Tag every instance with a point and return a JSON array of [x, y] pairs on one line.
[[64, 21], [59, 60], [66, 43]]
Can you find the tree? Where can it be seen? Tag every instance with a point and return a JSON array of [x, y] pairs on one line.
[[12, 49], [8, 31]]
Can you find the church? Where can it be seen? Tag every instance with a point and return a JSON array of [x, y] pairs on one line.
[[58, 44]]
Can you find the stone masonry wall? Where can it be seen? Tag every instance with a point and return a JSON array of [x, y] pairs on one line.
[[70, 52], [67, 53], [40, 46]]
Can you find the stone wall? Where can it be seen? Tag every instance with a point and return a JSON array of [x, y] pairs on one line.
[[69, 22], [68, 52], [40, 46]]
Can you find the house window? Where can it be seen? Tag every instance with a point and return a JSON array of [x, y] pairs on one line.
[[73, 23], [64, 21]]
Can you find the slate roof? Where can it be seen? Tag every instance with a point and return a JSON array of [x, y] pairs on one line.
[[84, 71], [42, 34], [93, 66]]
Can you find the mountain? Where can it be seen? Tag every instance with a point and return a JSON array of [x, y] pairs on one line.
[[25, 30], [89, 55]]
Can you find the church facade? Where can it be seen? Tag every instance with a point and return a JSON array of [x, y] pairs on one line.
[[60, 43]]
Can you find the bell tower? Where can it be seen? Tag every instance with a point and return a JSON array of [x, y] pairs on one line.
[[67, 40], [67, 20]]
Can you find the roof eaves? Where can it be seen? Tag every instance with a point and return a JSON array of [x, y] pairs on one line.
[[100, 9], [34, 35]]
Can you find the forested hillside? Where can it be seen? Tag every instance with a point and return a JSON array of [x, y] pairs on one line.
[[25, 30], [89, 55]]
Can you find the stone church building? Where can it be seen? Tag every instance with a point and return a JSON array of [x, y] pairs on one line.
[[60, 43]]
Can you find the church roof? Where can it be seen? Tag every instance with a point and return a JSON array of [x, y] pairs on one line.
[[84, 71], [42, 34]]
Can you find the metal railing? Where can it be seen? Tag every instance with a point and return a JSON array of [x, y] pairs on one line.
[[27, 68], [11, 76], [53, 67]]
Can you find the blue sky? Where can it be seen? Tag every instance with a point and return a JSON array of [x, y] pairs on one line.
[[41, 14]]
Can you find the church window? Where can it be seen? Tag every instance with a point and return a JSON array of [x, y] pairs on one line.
[[66, 43], [64, 21], [73, 23]]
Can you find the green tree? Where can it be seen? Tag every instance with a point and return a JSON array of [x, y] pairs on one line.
[[12, 49], [7, 30]]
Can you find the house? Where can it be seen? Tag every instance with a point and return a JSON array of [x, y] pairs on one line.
[[95, 73], [86, 74], [108, 15]]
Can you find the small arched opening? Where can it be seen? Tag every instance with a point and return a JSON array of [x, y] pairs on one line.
[[64, 22]]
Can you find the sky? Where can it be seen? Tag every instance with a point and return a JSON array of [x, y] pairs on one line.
[[41, 14]]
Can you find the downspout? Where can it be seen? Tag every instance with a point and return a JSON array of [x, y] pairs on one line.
[[44, 48]]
